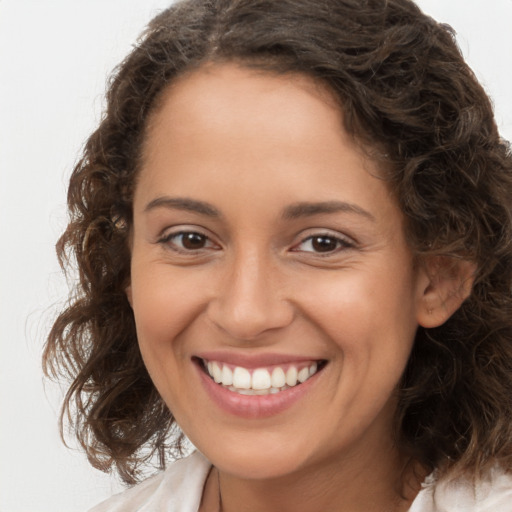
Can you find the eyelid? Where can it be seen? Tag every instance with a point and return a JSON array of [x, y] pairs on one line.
[[165, 238], [346, 242]]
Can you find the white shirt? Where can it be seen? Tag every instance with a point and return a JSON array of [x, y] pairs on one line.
[[180, 487]]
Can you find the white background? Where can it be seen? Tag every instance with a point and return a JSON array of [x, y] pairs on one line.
[[54, 59]]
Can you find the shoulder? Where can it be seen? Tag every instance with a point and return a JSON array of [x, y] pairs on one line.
[[492, 493], [177, 489]]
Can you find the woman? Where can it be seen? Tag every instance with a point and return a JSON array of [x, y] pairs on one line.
[[293, 235]]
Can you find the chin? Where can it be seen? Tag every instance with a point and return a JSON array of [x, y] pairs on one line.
[[258, 460], [260, 467]]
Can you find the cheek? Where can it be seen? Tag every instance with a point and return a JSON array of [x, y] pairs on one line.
[[369, 314], [163, 306], [164, 309]]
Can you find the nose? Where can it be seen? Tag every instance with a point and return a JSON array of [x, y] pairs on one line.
[[250, 300]]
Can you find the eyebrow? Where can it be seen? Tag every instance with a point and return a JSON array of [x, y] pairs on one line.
[[306, 209], [294, 211], [183, 203]]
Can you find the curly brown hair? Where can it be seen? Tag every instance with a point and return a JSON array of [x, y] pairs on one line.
[[404, 88]]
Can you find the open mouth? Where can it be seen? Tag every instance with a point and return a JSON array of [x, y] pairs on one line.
[[260, 381]]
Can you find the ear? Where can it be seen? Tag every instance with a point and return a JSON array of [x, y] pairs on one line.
[[445, 283]]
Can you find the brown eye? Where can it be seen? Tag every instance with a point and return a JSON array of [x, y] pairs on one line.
[[187, 241], [193, 241], [324, 243]]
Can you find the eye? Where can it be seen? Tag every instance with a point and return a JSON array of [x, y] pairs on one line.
[[323, 244], [187, 241]]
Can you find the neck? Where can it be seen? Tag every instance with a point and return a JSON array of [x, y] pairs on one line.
[[380, 486]]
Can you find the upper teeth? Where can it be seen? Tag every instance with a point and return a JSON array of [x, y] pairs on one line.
[[261, 379]]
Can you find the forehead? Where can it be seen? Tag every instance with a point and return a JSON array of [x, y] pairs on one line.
[[246, 133], [216, 96]]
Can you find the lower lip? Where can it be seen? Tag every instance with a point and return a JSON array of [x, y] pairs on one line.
[[255, 406]]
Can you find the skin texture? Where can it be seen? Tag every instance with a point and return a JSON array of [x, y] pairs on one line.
[[252, 145]]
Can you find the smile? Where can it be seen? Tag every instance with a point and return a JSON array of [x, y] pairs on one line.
[[260, 381]]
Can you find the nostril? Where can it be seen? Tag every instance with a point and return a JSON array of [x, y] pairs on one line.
[[248, 300], [250, 320]]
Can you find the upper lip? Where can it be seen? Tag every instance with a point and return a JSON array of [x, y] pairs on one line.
[[254, 360]]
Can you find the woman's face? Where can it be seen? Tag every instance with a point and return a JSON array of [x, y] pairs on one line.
[[268, 257]]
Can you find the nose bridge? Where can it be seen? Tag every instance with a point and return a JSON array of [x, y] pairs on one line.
[[250, 300]]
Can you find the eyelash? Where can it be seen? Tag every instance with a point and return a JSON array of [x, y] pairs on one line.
[[340, 243], [169, 239]]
